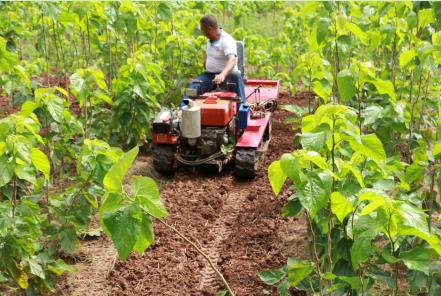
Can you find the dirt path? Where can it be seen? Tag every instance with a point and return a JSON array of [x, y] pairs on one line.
[[237, 223]]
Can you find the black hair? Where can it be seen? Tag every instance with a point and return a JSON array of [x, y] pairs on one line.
[[209, 21]]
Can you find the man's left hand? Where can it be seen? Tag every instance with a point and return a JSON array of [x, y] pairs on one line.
[[219, 78]]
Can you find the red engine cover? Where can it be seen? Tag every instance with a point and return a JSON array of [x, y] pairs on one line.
[[216, 112]]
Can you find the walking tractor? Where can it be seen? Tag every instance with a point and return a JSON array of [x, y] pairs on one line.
[[216, 128]]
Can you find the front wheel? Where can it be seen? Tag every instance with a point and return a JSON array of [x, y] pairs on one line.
[[164, 159]]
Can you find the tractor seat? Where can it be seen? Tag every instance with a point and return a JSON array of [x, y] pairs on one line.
[[241, 57]]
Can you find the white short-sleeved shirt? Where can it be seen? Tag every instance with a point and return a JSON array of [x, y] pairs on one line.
[[218, 52]]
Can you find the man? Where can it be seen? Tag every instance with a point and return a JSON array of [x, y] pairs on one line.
[[220, 60]]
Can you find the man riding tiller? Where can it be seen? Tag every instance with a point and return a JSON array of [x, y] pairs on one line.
[[221, 118]]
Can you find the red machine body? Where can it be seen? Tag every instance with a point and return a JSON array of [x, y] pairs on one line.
[[216, 111]]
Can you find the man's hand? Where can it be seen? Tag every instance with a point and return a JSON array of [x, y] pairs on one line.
[[219, 78]]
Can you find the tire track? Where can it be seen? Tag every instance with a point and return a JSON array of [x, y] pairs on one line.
[[221, 230]]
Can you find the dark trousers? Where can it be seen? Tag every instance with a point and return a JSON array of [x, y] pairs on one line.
[[206, 83]]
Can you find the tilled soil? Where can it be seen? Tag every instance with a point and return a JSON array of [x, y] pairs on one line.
[[237, 223]]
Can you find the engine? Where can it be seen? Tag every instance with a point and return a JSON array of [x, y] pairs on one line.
[[206, 125]]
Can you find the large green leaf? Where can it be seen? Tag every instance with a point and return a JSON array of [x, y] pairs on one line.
[[41, 162], [346, 85], [272, 276], [430, 238], [147, 193], [313, 141], [124, 227], [313, 194], [418, 258], [365, 229], [436, 39], [276, 176], [68, 239], [114, 177], [298, 270], [414, 172], [6, 171], [354, 29], [291, 167], [55, 108], [370, 146], [146, 235], [385, 87], [341, 206], [406, 57]]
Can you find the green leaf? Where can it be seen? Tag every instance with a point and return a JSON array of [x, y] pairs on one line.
[[365, 229], [59, 267], [323, 91], [436, 39], [418, 258], [6, 171], [340, 205], [114, 177], [346, 85], [370, 146], [2, 148], [272, 276], [55, 108], [291, 167], [68, 239], [124, 229], [354, 29], [317, 159], [372, 114], [430, 238], [298, 270], [41, 162], [35, 268], [414, 172], [313, 194], [353, 281], [28, 107], [295, 109], [406, 57], [385, 87], [436, 149], [313, 141], [283, 288], [292, 208], [146, 191], [146, 235], [276, 176]]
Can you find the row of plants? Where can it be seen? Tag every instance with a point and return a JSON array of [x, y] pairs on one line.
[[45, 211], [366, 172]]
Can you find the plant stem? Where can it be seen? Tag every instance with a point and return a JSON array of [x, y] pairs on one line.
[[222, 278], [45, 49], [14, 195], [360, 275], [432, 194], [409, 141], [316, 257]]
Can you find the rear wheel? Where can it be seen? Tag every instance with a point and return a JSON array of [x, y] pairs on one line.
[[246, 163], [164, 158]]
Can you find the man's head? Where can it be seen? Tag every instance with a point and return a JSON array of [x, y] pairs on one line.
[[210, 27]]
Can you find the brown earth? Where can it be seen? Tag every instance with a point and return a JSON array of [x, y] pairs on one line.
[[237, 223]]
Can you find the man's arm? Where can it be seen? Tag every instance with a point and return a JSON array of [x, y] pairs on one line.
[[219, 78], [205, 60]]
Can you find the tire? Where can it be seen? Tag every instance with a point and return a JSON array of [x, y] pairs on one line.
[[246, 163], [164, 159]]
